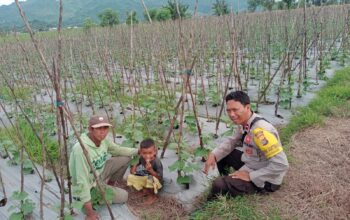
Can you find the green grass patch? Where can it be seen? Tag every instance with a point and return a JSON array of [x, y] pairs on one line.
[[20, 92], [226, 207], [12, 139]]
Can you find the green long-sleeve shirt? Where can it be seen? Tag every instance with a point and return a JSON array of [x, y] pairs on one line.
[[82, 176]]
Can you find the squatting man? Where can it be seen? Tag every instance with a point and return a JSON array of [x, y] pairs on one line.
[[254, 151]]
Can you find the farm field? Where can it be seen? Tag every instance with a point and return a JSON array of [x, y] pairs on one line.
[[165, 80]]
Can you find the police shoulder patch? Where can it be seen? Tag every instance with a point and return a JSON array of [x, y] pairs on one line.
[[266, 142]]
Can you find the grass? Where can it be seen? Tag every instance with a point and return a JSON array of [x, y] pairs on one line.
[[332, 100], [21, 93], [32, 143], [226, 207]]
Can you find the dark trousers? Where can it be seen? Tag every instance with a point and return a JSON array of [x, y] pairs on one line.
[[228, 185], [235, 187], [231, 160]]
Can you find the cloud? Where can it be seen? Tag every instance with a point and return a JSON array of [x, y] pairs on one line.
[[7, 2]]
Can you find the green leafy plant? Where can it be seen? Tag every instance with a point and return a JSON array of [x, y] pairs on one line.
[[133, 133], [15, 157], [214, 97], [23, 208], [343, 57], [134, 160], [184, 167], [208, 146], [76, 205], [190, 121], [306, 83], [286, 94], [97, 199], [201, 99]]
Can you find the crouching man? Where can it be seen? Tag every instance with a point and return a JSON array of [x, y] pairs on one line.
[[108, 170]]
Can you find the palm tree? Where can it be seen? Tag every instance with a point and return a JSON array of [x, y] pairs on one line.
[[220, 8], [172, 7]]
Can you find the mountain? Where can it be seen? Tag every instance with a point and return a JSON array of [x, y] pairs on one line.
[[44, 13]]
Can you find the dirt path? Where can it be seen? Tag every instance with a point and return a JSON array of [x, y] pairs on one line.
[[317, 185]]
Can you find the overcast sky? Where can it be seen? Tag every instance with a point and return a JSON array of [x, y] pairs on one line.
[[7, 2]]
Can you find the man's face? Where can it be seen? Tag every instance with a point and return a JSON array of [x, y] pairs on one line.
[[98, 134], [237, 112], [148, 153]]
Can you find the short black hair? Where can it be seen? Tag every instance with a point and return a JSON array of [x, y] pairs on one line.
[[147, 143], [238, 96]]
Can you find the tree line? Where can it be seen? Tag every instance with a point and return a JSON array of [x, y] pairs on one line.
[[269, 5], [171, 11], [175, 9]]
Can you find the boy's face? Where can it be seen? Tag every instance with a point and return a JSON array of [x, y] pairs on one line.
[[148, 154]]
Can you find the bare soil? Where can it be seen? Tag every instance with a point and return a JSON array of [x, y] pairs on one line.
[[317, 186], [163, 208]]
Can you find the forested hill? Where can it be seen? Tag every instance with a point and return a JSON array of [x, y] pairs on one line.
[[45, 12]]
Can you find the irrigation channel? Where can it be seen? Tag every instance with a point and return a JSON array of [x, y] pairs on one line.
[[162, 80]]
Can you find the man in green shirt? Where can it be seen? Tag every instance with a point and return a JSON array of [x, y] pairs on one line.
[[108, 170]]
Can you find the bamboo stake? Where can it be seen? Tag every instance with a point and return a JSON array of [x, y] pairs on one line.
[[144, 6]]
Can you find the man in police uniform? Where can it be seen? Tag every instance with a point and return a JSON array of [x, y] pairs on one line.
[[254, 151]]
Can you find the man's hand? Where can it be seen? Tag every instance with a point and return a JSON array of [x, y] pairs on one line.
[[243, 175], [92, 216], [210, 163], [90, 213]]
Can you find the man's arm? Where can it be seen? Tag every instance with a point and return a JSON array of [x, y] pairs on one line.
[[227, 146], [268, 143], [117, 150], [222, 150]]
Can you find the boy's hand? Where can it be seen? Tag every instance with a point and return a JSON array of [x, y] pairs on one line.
[[149, 166], [133, 169]]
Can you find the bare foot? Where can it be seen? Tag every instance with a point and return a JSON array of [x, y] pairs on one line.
[[142, 193], [150, 200]]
